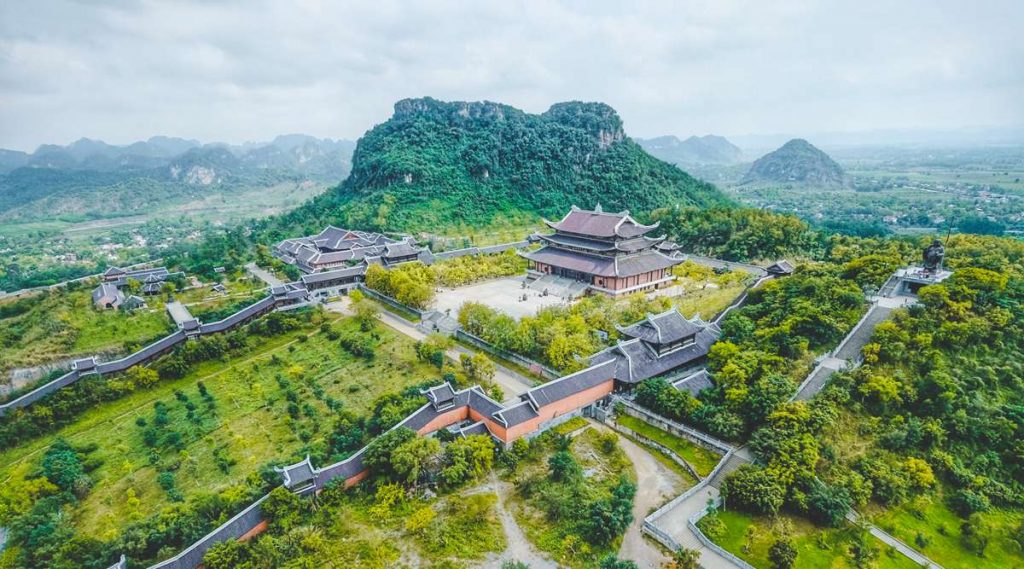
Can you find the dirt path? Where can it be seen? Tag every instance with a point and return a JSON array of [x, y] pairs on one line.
[[656, 484], [518, 548]]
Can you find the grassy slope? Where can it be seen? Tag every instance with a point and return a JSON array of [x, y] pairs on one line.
[[700, 458], [248, 428], [818, 548], [64, 323], [929, 517]]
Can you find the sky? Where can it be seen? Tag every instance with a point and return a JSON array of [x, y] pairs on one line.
[[237, 71]]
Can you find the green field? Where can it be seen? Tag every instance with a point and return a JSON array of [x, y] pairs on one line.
[[52, 325], [250, 424], [701, 459], [929, 518], [750, 537]]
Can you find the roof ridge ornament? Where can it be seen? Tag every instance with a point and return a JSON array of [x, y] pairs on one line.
[[597, 208]]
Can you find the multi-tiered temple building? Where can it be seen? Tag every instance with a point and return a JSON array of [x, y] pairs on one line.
[[334, 247], [610, 252]]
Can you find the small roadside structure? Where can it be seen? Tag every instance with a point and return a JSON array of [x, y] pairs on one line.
[[780, 268], [299, 477], [107, 296]]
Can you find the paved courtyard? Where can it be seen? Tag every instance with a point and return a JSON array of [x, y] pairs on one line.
[[501, 294]]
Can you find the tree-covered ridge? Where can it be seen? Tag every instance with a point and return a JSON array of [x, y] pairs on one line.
[[435, 163]]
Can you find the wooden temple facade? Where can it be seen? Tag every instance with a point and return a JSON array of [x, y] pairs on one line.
[[610, 252]]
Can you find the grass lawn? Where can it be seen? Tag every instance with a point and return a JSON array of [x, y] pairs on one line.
[[707, 302], [250, 424], [60, 324], [204, 301], [560, 538], [700, 458], [351, 529], [750, 537], [929, 517]]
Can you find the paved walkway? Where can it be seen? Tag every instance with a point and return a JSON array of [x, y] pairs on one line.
[[656, 485], [264, 275], [848, 351]]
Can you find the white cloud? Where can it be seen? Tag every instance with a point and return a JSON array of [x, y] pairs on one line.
[[235, 70]]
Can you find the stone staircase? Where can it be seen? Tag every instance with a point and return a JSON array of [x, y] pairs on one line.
[[736, 460], [850, 349], [559, 286]]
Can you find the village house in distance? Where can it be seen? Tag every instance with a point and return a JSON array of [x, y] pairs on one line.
[[334, 247], [608, 252]]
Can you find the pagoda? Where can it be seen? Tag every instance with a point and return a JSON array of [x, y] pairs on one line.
[[609, 252]]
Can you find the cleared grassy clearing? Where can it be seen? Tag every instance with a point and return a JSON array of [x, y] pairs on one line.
[[700, 458], [249, 425], [750, 537], [59, 324], [927, 524]]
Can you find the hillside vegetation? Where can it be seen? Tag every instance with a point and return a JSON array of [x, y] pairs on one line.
[[436, 164]]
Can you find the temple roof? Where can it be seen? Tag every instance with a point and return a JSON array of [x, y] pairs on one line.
[[782, 267], [694, 383], [665, 328], [441, 396], [298, 474], [602, 266], [636, 360], [597, 223]]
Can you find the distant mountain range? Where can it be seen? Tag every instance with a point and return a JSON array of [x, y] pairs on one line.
[[93, 178], [796, 162], [696, 150], [319, 157]]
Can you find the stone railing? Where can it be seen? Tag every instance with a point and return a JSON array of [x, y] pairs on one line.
[[656, 445], [692, 524], [656, 420], [739, 300]]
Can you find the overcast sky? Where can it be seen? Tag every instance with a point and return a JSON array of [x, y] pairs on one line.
[[234, 71]]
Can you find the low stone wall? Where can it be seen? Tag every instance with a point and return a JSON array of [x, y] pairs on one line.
[[388, 300], [691, 434], [145, 354], [692, 523], [654, 444]]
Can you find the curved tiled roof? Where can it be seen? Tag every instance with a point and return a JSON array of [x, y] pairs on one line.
[[597, 223], [664, 328]]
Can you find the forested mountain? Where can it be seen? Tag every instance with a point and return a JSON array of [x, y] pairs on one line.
[[437, 164], [96, 179], [796, 162], [708, 149]]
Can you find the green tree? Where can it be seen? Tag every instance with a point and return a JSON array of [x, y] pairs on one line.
[[782, 554], [411, 460]]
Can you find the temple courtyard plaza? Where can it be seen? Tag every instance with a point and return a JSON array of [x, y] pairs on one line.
[[501, 294]]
